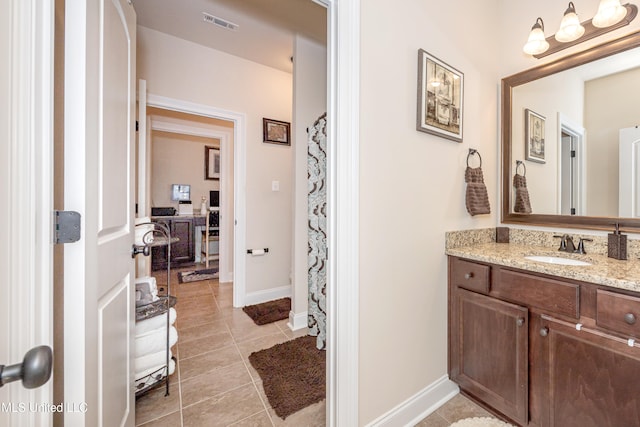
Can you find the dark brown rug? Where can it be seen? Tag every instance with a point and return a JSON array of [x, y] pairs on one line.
[[293, 374], [270, 311]]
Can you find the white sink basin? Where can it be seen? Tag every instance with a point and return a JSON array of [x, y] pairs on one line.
[[557, 260]]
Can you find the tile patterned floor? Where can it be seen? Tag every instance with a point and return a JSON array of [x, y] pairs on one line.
[[215, 385], [454, 410]]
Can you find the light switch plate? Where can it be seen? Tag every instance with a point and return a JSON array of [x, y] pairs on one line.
[[275, 185]]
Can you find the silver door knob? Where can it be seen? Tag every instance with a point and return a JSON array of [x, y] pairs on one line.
[[34, 371]]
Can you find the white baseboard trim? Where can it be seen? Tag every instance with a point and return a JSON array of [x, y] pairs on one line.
[[297, 321], [417, 407], [267, 295]]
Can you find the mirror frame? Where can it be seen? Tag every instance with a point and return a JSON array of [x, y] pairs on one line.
[[604, 50]]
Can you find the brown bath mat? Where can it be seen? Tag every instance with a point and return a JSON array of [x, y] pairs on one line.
[[270, 311], [293, 374]]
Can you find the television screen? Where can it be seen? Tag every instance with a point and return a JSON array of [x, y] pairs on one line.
[[180, 192]]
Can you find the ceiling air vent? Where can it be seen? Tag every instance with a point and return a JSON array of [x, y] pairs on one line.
[[219, 22]]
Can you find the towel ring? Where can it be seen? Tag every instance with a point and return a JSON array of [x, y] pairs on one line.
[[518, 164], [473, 151]]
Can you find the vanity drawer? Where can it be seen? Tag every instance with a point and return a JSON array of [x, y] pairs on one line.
[[470, 275], [618, 312], [552, 296]]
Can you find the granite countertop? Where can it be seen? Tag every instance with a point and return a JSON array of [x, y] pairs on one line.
[[602, 271]]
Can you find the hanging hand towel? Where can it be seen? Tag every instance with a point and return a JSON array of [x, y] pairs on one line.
[[523, 204], [477, 199]]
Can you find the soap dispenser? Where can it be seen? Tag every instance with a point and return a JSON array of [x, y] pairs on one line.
[[617, 245]]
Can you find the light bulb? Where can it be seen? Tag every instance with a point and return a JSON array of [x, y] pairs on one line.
[[609, 12], [536, 44], [570, 27]]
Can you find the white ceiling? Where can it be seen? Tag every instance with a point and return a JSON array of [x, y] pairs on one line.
[[266, 27]]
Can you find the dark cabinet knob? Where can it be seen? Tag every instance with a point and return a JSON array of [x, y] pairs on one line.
[[520, 321], [630, 318], [544, 332], [468, 276]]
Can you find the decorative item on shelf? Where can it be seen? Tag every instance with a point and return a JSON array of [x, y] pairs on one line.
[[440, 98], [522, 204], [203, 206], [611, 15], [476, 197]]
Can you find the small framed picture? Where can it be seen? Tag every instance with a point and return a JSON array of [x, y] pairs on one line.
[[533, 136], [211, 163], [276, 132], [440, 96]]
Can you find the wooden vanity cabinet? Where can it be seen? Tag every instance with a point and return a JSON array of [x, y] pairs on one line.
[[568, 363], [182, 250], [489, 351]]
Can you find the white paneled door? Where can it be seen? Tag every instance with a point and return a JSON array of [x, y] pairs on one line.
[[100, 43]]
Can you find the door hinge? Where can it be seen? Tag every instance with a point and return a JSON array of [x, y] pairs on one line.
[[67, 227], [137, 126], [573, 153], [573, 211]]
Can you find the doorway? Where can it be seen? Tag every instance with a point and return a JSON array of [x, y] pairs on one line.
[[228, 127], [176, 152], [571, 165]]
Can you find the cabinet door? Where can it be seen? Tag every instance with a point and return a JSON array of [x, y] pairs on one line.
[[159, 253], [489, 351], [593, 378], [182, 251]]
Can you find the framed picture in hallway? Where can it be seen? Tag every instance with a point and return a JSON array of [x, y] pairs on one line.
[[211, 162], [440, 96], [276, 132], [534, 136]]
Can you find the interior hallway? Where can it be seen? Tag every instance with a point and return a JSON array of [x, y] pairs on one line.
[[214, 383]]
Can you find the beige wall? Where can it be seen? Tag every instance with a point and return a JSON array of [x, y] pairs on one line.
[[179, 159], [412, 187], [605, 121], [185, 71], [543, 99]]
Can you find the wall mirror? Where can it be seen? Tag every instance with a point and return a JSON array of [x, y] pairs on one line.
[[562, 120]]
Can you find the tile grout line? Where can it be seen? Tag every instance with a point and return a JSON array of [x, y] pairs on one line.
[[253, 381]]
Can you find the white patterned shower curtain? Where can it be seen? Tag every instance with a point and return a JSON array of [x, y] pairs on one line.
[[317, 202]]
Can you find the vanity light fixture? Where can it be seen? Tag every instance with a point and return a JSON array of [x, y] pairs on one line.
[[536, 43], [609, 12], [570, 27], [610, 16]]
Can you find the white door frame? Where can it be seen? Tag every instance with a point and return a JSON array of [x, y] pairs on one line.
[[239, 179], [26, 263], [26, 254], [577, 132], [343, 151]]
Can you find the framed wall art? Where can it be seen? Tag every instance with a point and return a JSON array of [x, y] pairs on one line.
[[211, 162], [276, 132], [534, 136], [440, 98]]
